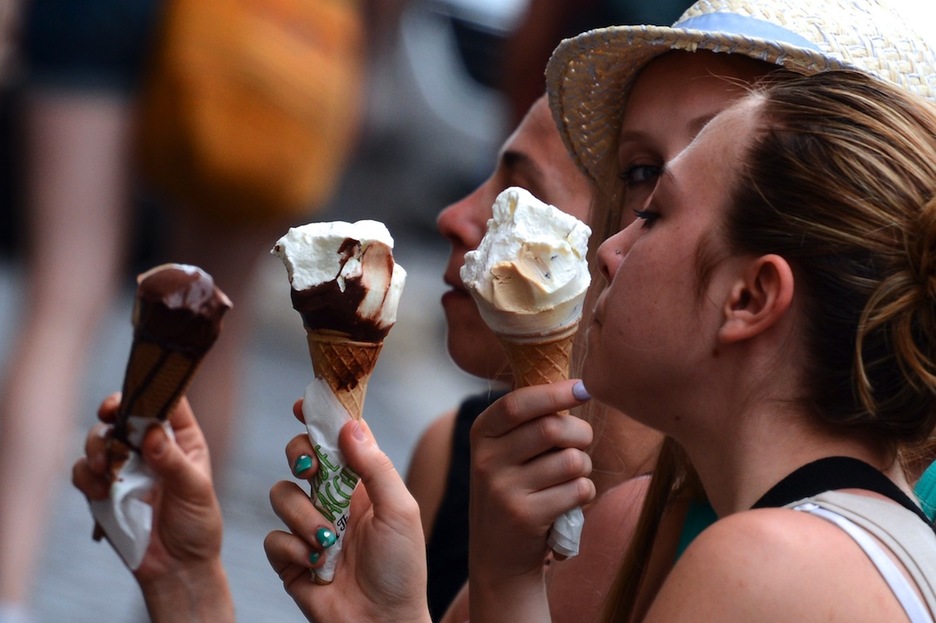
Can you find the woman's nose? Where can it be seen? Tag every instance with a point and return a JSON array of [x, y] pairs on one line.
[[611, 253]]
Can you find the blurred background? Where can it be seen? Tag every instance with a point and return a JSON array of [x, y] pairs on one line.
[[442, 82]]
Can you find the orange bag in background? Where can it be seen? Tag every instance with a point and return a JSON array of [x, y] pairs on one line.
[[251, 108]]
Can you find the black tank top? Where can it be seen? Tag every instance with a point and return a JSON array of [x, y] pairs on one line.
[[447, 549]]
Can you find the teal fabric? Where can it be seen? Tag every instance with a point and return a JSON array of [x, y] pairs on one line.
[[699, 517], [926, 492]]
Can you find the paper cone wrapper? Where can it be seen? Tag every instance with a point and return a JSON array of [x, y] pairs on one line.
[[538, 361], [342, 370]]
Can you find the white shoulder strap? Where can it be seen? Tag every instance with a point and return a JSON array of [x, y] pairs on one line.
[[905, 593]]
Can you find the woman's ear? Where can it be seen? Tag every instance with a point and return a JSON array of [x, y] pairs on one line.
[[758, 300]]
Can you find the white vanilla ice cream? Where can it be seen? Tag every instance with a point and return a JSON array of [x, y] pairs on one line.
[[529, 274]]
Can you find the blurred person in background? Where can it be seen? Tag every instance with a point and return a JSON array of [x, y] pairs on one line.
[[82, 62], [92, 75], [547, 22], [9, 20]]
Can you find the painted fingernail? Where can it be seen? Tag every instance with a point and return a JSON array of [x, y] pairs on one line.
[[325, 537], [314, 557], [579, 391], [302, 463]]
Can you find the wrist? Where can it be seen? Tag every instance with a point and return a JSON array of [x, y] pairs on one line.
[[194, 594]]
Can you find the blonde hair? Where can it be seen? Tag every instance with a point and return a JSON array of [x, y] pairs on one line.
[[840, 181]]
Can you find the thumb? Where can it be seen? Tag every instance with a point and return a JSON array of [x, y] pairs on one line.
[[170, 464], [381, 479]]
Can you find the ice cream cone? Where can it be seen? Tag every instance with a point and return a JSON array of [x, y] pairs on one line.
[[345, 365], [176, 319], [528, 276], [540, 360]]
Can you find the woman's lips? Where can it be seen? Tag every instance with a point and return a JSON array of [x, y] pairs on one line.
[[599, 311]]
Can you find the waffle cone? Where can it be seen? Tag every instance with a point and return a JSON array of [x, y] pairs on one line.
[[345, 365], [155, 379], [542, 360]]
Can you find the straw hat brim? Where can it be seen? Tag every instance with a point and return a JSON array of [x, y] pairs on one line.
[[589, 75]]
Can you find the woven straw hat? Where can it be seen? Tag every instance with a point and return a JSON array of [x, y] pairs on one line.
[[588, 75]]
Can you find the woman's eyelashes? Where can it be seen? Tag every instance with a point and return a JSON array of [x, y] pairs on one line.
[[640, 181], [647, 216]]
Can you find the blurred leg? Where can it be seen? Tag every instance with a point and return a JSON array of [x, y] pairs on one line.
[[232, 255], [76, 209]]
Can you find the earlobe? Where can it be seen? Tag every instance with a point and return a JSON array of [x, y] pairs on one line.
[[758, 300]]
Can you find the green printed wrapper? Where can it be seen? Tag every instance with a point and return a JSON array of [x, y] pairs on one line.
[[335, 482]]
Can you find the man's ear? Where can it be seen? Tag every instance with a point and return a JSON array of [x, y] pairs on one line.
[[758, 300]]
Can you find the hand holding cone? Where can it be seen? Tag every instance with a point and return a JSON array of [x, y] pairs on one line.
[[346, 286], [529, 277], [176, 319]]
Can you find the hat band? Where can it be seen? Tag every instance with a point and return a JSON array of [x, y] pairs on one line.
[[734, 24]]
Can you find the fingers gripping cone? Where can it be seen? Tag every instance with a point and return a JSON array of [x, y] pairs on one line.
[[155, 379], [345, 366], [542, 361], [176, 320]]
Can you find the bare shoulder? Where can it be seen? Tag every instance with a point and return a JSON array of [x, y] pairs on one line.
[[774, 565], [429, 465]]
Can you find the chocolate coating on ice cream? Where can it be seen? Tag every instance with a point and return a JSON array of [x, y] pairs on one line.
[[179, 307], [176, 320], [337, 305]]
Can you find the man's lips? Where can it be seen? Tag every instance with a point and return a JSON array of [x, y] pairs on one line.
[[453, 280]]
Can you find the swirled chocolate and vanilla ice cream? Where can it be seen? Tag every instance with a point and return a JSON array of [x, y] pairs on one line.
[[529, 277], [346, 286], [529, 274], [177, 317]]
